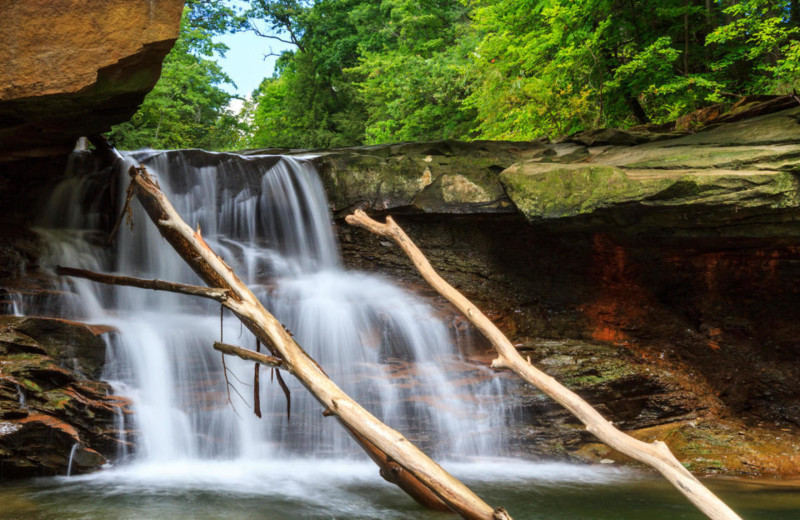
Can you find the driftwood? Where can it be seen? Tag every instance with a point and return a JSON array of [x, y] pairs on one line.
[[656, 454], [399, 460]]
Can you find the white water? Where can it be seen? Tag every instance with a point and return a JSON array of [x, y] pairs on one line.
[[71, 458], [268, 218]]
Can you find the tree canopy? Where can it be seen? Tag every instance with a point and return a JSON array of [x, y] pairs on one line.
[[365, 71], [187, 108]]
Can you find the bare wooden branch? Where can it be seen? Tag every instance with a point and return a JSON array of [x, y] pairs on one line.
[[656, 455], [417, 467], [126, 213], [256, 384], [219, 295], [287, 393], [248, 355]]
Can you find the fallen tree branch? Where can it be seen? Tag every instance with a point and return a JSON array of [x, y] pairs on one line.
[[656, 455], [219, 295], [248, 355], [419, 471]]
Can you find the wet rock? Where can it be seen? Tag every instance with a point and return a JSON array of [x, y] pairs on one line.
[[49, 411]]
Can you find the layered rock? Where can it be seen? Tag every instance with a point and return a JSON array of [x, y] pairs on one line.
[[74, 68], [55, 417], [654, 274], [732, 176], [436, 177]]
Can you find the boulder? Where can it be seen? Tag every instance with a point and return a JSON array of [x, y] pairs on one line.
[[76, 67]]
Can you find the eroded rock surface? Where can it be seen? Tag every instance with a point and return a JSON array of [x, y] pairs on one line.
[[50, 411], [730, 177]]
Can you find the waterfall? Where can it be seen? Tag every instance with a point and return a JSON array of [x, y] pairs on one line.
[[268, 217]]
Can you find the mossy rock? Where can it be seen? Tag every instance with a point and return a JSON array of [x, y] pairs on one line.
[[552, 191], [74, 344], [430, 177]]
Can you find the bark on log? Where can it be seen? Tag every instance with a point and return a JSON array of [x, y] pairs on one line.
[[656, 454], [189, 244]]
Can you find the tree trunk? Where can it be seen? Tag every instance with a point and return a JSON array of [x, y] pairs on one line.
[[656, 455], [404, 463], [637, 109]]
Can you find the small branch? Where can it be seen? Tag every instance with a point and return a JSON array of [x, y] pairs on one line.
[[248, 355], [126, 212], [256, 382], [256, 390], [287, 393], [219, 295]]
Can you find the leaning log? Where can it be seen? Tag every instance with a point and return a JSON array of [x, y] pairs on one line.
[[405, 462], [656, 454]]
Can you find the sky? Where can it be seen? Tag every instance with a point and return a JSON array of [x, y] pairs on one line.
[[246, 63]]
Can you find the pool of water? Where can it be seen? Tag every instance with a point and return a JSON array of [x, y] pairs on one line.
[[323, 489]]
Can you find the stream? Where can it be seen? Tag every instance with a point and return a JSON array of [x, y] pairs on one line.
[[324, 489]]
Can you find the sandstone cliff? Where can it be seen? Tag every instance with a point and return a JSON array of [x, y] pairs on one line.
[[73, 68]]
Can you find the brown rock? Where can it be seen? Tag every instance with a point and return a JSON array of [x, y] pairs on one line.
[[49, 411], [76, 67]]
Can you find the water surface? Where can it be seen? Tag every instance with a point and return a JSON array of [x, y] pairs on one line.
[[325, 489]]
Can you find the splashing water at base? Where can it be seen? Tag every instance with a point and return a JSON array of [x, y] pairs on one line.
[[314, 489]]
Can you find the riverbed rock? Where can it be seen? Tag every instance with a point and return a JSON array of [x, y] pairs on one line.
[[74, 68], [51, 413]]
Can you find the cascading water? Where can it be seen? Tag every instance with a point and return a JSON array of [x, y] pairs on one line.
[[268, 217]]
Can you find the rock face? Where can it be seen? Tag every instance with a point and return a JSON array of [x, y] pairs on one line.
[[51, 412], [729, 176], [656, 277], [73, 68], [435, 177]]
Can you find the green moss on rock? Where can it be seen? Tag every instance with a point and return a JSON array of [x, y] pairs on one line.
[[556, 191], [550, 191]]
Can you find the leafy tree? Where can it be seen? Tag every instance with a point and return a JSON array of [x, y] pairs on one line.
[[549, 67], [757, 46], [308, 103], [413, 72], [187, 108], [363, 72]]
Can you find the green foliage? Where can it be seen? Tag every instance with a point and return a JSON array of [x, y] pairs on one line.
[[309, 103], [366, 71], [186, 108], [413, 84], [551, 67], [760, 39]]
